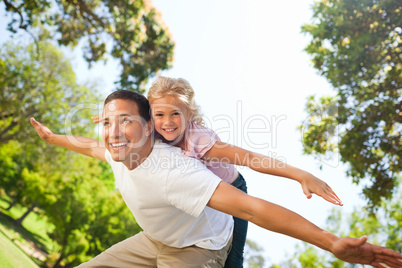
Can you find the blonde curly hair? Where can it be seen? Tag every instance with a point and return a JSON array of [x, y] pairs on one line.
[[179, 88]]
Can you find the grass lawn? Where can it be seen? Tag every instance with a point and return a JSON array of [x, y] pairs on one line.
[[11, 256], [33, 228]]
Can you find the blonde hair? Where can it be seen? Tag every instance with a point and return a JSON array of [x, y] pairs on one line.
[[179, 88]]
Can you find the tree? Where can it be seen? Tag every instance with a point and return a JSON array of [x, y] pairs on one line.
[[77, 196], [11, 171], [131, 31], [87, 215], [356, 45], [44, 87]]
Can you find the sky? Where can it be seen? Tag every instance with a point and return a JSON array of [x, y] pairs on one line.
[[246, 63]]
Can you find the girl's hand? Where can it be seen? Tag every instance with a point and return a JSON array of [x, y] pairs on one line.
[[313, 185], [96, 119]]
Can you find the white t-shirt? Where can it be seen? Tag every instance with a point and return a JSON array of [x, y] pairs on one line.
[[167, 195]]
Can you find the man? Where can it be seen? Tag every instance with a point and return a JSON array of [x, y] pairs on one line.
[[176, 200]]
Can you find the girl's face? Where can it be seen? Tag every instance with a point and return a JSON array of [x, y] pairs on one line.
[[170, 117]]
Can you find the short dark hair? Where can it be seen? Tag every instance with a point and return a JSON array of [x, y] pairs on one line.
[[137, 98]]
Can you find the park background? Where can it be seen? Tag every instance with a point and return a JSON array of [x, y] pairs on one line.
[[247, 65]]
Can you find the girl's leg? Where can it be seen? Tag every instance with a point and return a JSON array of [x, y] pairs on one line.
[[235, 258]]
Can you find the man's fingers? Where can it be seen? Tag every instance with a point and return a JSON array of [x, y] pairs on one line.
[[34, 122]]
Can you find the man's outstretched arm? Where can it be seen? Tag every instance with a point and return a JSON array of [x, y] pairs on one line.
[[83, 145], [230, 200]]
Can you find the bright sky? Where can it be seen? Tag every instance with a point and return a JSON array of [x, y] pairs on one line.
[[246, 63]]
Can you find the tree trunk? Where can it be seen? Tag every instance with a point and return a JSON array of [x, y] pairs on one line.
[[11, 204], [30, 209], [57, 263]]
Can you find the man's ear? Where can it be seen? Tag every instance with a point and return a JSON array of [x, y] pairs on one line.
[[149, 128]]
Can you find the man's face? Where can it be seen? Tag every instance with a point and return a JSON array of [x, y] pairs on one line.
[[124, 131]]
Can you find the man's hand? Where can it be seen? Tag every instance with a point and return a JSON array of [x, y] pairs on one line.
[[357, 250], [83, 145], [43, 131]]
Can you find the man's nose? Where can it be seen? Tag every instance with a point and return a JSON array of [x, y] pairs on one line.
[[116, 130]]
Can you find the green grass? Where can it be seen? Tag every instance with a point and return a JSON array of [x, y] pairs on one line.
[[34, 228], [12, 256]]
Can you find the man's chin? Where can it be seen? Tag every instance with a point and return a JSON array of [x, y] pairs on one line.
[[118, 157]]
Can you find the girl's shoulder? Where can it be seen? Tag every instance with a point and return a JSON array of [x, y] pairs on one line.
[[195, 130], [199, 140]]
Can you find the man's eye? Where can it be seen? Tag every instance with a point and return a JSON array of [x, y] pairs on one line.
[[126, 120], [106, 124]]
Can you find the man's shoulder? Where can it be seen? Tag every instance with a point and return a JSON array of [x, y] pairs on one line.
[[173, 157], [163, 148]]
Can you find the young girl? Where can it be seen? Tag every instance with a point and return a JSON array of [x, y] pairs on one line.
[[177, 121]]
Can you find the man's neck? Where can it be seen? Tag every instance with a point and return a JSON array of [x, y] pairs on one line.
[[138, 158]]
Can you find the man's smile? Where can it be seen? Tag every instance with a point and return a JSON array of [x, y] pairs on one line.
[[119, 145]]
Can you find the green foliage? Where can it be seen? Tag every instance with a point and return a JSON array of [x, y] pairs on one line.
[[77, 196], [11, 170], [393, 225], [356, 45], [41, 86], [131, 31], [320, 130], [311, 258], [78, 199]]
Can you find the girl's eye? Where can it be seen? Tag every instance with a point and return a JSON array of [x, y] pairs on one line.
[[158, 115], [176, 113]]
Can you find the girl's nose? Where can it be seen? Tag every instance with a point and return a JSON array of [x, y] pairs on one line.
[[168, 120]]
